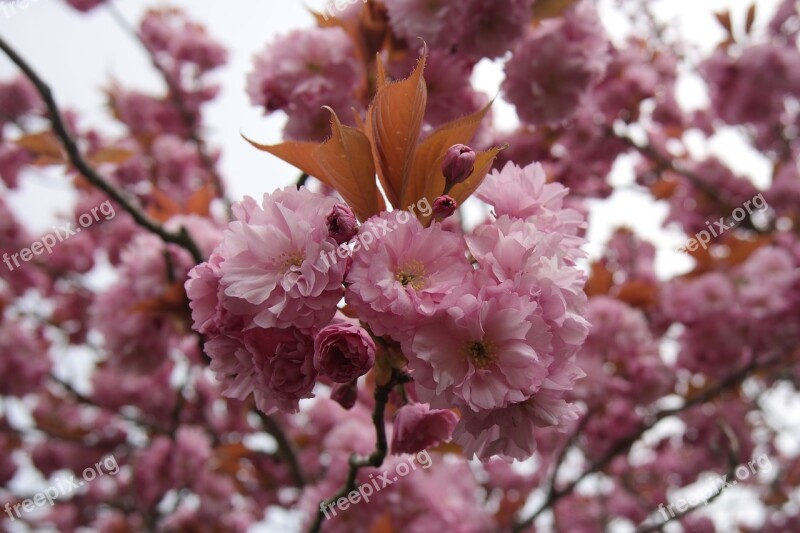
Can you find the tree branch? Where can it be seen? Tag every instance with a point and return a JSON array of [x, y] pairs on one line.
[[664, 162], [181, 238], [375, 459], [623, 445], [189, 118], [286, 448]]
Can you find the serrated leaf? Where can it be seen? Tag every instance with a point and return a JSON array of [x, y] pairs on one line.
[[299, 154], [45, 146], [116, 156], [544, 9], [199, 202], [346, 158], [394, 121], [724, 19], [751, 18]]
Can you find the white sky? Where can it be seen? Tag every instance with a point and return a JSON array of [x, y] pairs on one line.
[[79, 54]]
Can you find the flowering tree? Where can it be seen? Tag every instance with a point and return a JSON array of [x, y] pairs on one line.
[[359, 351]]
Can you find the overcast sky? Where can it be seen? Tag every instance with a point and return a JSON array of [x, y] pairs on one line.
[[79, 54]]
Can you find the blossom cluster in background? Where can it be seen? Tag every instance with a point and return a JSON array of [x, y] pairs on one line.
[[423, 291]]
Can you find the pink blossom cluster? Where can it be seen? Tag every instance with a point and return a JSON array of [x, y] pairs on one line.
[[474, 28], [303, 71], [496, 340], [555, 64], [235, 389]]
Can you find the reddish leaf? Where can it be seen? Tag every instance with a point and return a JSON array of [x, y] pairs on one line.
[[751, 18], [116, 156], [638, 294], [393, 124], [299, 154], [163, 207], [600, 281], [45, 146], [724, 19], [199, 203], [382, 524], [346, 158], [544, 9]]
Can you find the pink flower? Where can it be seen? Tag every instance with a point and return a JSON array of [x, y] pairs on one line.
[[307, 69], [18, 97], [523, 192], [232, 363], [284, 368], [509, 432], [417, 427], [490, 27], [25, 360], [437, 23], [404, 274], [85, 5], [555, 65], [275, 272], [138, 327], [343, 352], [203, 289], [485, 348], [541, 266], [734, 97]]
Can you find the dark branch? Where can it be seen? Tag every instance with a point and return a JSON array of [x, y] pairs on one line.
[[189, 119], [665, 163], [375, 459], [181, 238], [286, 448], [624, 445]]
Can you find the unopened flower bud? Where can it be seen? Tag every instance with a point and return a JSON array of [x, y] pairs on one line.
[[444, 206], [458, 164], [345, 394], [342, 224]]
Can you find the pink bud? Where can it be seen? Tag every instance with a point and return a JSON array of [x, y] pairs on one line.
[[417, 427], [342, 224], [343, 352], [345, 394], [458, 164], [444, 206]]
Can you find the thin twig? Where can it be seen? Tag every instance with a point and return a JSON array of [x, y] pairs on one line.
[[623, 445], [733, 452], [286, 448], [189, 118], [181, 238], [664, 162], [375, 459]]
